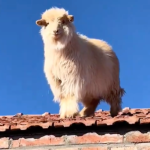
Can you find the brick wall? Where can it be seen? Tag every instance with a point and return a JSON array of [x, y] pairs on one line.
[[133, 140]]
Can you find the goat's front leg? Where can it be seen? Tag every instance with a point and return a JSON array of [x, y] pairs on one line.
[[68, 107], [54, 83]]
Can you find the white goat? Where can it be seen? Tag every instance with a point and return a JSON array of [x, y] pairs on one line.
[[78, 68]]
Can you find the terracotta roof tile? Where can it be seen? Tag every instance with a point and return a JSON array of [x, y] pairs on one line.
[[23, 122]]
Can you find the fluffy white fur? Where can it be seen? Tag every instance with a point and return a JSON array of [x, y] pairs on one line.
[[78, 68]]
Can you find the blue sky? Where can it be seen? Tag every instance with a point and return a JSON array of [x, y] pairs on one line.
[[124, 24]]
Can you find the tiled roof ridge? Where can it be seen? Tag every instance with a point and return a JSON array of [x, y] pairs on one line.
[[46, 120], [125, 110]]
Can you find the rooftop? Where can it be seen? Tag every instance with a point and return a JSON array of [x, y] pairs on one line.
[[46, 120], [127, 131]]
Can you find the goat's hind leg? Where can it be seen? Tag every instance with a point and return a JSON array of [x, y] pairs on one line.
[[115, 101], [89, 107]]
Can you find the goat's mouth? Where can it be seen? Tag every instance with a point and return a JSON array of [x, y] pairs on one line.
[[56, 35]]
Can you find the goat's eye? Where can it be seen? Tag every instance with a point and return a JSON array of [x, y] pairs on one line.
[[63, 21], [46, 24]]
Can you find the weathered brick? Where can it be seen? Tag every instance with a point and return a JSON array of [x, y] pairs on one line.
[[124, 148], [111, 138], [15, 143], [35, 148], [137, 137], [117, 148], [130, 148], [56, 140], [144, 147], [73, 148], [46, 140], [34, 142], [94, 148], [95, 138], [4, 142]]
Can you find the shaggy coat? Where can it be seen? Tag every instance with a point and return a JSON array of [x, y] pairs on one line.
[[78, 68]]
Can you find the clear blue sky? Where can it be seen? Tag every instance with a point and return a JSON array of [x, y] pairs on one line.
[[124, 24]]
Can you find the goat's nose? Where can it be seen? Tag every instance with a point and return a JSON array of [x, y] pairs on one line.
[[55, 31]]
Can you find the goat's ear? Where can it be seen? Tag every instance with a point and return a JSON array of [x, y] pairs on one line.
[[70, 18], [41, 22]]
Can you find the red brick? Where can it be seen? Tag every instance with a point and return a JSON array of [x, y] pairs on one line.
[[137, 137], [37, 148], [46, 140], [124, 148], [15, 143], [94, 148], [56, 140], [4, 142], [95, 138], [34, 142], [112, 138], [144, 147], [117, 148], [130, 148], [67, 148]]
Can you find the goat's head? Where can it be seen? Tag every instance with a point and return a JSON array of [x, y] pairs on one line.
[[56, 26]]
